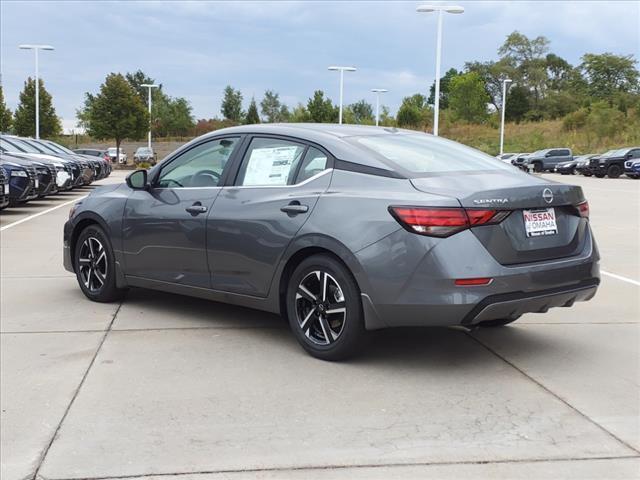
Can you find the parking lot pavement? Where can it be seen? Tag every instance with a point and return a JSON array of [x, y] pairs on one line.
[[180, 387]]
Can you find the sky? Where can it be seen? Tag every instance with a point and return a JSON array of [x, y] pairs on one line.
[[195, 49]]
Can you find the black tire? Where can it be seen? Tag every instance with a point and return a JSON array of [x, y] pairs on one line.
[[91, 273], [586, 174], [599, 175], [537, 167], [347, 332], [500, 322], [614, 171]]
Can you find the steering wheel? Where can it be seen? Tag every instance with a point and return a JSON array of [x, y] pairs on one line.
[[206, 177]]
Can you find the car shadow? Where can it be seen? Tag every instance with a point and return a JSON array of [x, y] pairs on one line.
[[449, 348]]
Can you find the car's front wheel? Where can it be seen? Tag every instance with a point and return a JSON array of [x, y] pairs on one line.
[[324, 308], [614, 171], [95, 265]]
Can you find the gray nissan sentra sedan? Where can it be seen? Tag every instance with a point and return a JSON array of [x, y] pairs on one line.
[[340, 229]]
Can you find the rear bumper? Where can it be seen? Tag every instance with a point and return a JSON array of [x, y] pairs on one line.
[[409, 280], [512, 305]]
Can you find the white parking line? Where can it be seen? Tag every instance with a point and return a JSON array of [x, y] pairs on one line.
[[31, 217], [620, 277]]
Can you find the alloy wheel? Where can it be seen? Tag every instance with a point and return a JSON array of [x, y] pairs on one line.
[[320, 308], [92, 264]]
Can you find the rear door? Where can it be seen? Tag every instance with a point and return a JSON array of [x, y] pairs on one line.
[[276, 188], [164, 229]]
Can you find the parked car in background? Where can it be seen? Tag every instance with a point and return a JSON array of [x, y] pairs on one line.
[[22, 180], [85, 169], [341, 229], [506, 157], [632, 169], [66, 172], [548, 159], [98, 165], [570, 168], [144, 154], [4, 188], [519, 160], [612, 164], [102, 154], [122, 157]]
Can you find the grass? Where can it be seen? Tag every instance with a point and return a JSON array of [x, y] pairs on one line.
[[528, 137]]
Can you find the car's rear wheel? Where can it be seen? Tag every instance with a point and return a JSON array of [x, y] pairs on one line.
[[95, 265], [614, 171], [324, 308], [500, 322]]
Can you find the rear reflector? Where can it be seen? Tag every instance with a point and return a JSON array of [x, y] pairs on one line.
[[471, 282], [583, 208], [444, 222]]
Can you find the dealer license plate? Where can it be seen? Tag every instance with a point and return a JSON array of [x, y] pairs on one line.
[[541, 222]]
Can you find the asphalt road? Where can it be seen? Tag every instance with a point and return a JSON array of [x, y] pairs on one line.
[[172, 386]]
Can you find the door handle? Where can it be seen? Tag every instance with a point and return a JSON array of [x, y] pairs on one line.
[[294, 208], [196, 209]]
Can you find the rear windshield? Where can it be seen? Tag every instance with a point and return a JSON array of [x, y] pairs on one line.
[[421, 154]]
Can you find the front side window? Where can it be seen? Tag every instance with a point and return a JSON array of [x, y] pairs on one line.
[[421, 154], [270, 162], [201, 166]]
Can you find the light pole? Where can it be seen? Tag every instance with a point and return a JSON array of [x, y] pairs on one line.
[[341, 70], [504, 103], [439, 9], [36, 48], [378, 91], [149, 86]]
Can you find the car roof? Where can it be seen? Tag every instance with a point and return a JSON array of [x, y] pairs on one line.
[[328, 135]]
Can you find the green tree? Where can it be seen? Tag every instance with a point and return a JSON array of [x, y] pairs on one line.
[[139, 78], [6, 117], [518, 104], [605, 121], [252, 113], [25, 114], [231, 106], [272, 109], [116, 111], [608, 75], [492, 74], [300, 114], [468, 98], [414, 112], [362, 112], [386, 119], [321, 109], [171, 116], [445, 83]]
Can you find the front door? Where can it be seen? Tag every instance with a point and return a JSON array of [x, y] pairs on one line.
[[252, 222], [164, 228]]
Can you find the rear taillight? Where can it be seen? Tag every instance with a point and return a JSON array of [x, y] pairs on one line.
[[583, 209], [444, 222]]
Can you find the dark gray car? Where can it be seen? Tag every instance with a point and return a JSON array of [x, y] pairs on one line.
[[341, 229]]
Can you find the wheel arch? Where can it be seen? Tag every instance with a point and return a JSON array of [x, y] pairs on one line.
[[306, 246]]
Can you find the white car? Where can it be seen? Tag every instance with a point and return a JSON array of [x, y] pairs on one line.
[[122, 157]]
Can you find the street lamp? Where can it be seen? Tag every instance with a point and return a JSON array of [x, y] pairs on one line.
[[504, 103], [341, 70], [36, 48], [149, 86], [378, 91], [439, 9]]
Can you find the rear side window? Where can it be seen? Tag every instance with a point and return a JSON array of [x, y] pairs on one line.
[[270, 162], [422, 154], [314, 162]]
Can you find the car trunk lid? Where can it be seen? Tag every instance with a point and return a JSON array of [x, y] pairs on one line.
[[509, 242]]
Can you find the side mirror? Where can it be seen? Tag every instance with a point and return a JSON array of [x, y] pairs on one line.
[[138, 180]]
